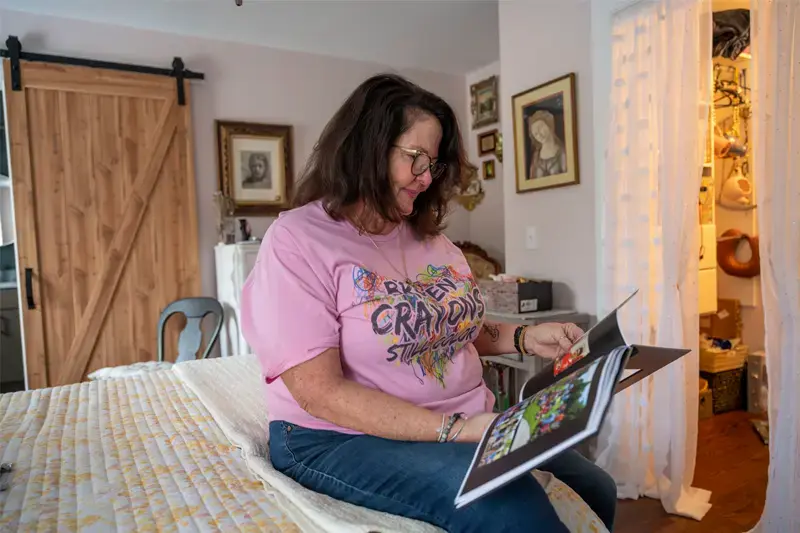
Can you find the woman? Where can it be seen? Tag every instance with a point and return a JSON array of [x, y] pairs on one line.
[[549, 156], [369, 327]]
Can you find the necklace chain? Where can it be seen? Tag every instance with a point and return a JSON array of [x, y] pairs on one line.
[[403, 274]]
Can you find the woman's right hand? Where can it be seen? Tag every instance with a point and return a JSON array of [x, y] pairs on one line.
[[475, 426]]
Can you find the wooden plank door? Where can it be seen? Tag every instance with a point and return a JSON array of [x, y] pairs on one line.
[[104, 199]]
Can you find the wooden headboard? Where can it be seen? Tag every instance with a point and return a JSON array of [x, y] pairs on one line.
[[479, 261]]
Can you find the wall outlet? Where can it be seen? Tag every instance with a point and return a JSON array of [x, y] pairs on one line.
[[531, 238]]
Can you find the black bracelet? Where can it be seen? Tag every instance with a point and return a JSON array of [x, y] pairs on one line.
[[518, 339]]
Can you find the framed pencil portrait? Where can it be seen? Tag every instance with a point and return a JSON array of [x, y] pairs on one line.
[[546, 136], [255, 166]]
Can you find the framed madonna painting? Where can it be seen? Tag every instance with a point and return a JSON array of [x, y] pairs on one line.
[[546, 136]]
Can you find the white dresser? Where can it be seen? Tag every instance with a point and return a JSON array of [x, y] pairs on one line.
[[233, 263]]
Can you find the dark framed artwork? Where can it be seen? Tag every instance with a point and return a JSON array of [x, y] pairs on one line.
[[487, 142], [546, 136], [489, 172], [255, 166], [483, 102]]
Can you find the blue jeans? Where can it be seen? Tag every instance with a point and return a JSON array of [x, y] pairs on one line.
[[420, 480]]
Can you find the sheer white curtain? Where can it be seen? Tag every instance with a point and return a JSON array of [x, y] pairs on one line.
[[661, 56], [776, 151]]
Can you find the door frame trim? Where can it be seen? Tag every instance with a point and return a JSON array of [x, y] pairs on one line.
[[24, 193]]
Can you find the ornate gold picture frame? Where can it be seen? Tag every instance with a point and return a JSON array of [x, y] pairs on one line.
[[255, 166]]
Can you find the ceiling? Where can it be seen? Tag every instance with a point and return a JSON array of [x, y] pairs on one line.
[[451, 36]]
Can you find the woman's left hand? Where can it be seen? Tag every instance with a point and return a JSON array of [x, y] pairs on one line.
[[551, 339]]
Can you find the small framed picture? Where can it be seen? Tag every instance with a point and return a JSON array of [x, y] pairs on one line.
[[487, 142], [488, 170], [483, 96], [546, 136], [255, 166]]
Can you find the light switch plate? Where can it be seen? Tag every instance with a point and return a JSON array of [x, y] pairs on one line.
[[531, 238]]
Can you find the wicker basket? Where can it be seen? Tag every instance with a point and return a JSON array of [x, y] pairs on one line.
[[720, 360], [728, 389]]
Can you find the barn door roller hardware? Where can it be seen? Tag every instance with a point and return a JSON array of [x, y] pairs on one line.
[[14, 53]]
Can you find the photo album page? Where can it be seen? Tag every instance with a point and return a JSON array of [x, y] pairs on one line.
[[561, 406]]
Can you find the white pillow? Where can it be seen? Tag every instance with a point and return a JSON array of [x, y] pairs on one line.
[[114, 372]]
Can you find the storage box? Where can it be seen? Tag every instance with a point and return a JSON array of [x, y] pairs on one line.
[[757, 389], [726, 323], [728, 389], [519, 297]]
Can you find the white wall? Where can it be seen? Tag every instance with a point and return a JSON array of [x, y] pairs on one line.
[[540, 41], [243, 82], [486, 221]]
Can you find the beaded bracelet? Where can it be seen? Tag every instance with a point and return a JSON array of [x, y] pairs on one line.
[[445, 430], [457, 433]]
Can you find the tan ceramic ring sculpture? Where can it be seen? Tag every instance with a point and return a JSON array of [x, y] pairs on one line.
[[726, 255]]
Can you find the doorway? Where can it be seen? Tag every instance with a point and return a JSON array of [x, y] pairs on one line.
[[733, 453]]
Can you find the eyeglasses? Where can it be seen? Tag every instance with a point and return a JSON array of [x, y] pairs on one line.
[[423, 162]]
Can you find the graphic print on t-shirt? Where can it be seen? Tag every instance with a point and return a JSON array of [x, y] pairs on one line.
[[426, 322]]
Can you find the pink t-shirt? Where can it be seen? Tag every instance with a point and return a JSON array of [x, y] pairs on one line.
[[318, 284]]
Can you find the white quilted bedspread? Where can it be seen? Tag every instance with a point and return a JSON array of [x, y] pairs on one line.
[[134, 454], [180, 450], [231, 389]]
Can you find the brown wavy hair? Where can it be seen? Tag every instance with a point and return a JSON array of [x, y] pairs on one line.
[[350, 162]]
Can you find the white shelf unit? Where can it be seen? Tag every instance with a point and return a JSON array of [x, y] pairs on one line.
[[233, 263]]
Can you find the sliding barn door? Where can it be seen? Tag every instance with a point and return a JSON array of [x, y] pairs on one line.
[[104, 199]]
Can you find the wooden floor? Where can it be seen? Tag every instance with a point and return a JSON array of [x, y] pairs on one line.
[[732, 463]]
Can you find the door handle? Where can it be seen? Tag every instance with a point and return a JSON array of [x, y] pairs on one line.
[[29, 288]]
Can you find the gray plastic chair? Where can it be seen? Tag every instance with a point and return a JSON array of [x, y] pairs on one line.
[[195, 310]]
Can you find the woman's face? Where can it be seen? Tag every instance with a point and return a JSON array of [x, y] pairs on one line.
[[540, 131], [424, 135], [258, 169]]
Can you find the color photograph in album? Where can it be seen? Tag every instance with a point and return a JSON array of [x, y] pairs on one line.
[[540, 415], [599, 341], [578, 351], [551, 420]]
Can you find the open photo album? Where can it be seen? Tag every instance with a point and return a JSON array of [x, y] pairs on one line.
[[561, 406]]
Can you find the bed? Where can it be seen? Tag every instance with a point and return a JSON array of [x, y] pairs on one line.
[[178, 449]]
